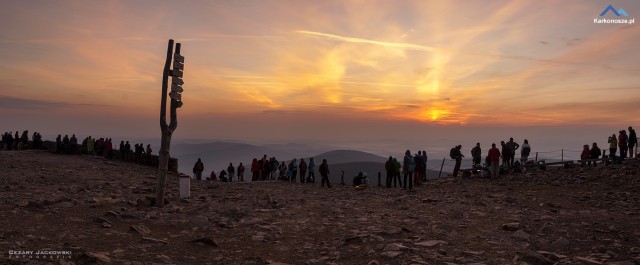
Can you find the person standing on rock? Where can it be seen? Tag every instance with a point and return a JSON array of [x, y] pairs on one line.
[[594, 154], [613, 146], [231, 171], [240, 172], [388, 166], [623, 142], [633, 142], [283, 171], [525, 151], [494, 160], [303, 170], [311, 169], [255, 169], [294, 170], [585, 154], [324, 173], [408, 166], [505, 154], [456, 154], [149, 151], [512, 146], [396, 169], [198, 168], [476, 154]]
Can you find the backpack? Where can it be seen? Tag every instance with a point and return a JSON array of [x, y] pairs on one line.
[[526, 150], [452, 153]]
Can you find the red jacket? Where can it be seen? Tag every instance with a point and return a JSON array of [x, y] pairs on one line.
[[254, 166], [494, 154], [585, 153]]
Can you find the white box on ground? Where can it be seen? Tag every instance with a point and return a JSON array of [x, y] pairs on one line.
[[185, 186]]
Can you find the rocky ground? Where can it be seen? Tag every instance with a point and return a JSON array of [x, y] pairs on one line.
[[100, 211]]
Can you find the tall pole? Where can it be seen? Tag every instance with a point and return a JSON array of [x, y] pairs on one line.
[[441, 166], [176, 102]]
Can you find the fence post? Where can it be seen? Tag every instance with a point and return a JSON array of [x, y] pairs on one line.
[[439, 174], [536, 157], [562, 155]]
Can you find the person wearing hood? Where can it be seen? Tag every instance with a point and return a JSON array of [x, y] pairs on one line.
[[198, 168]]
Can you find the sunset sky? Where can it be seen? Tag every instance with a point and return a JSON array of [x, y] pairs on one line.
[[279, 70]]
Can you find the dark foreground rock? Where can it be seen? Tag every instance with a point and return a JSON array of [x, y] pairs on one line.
[[101, 213]]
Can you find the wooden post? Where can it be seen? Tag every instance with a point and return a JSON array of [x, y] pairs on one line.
[[441, 166], [536, 157], [562, 155], [167, 130]]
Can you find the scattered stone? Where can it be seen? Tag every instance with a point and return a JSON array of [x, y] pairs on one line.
[[561, 243], [312, 262], [153, 240], [205, 241], [520, 235], [395, 247], [373, 262], [392, 254], [431, 243], [534, 258], [511, 226], [106, 225], [552, 256], [140, 229], [588, 261]]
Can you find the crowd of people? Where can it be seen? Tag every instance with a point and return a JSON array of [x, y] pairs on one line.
[[20, 142], [89, 146], [270, 169]]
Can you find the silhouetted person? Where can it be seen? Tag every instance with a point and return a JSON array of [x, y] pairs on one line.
[[408, 165], [59, 145], [456, 154], [293, 166], [283, 171], [512, 146], [388, 166], [232, 171], [417, 161], [65, 143], [240, 172], [311, 169], [198, 168], [396, 175], [633, 142], [494, 161], [122, 151], [303, 170], [73, 142], [623, 142], [594, 154], [525, 151], [613, 145], [255, 170], [324, 173], [149, 151], [476, 154], [585, 154]]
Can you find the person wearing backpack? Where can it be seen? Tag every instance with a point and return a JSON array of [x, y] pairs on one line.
[[408, 166], [198, 168], [457, 155], [524, 153], [476, 154]]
